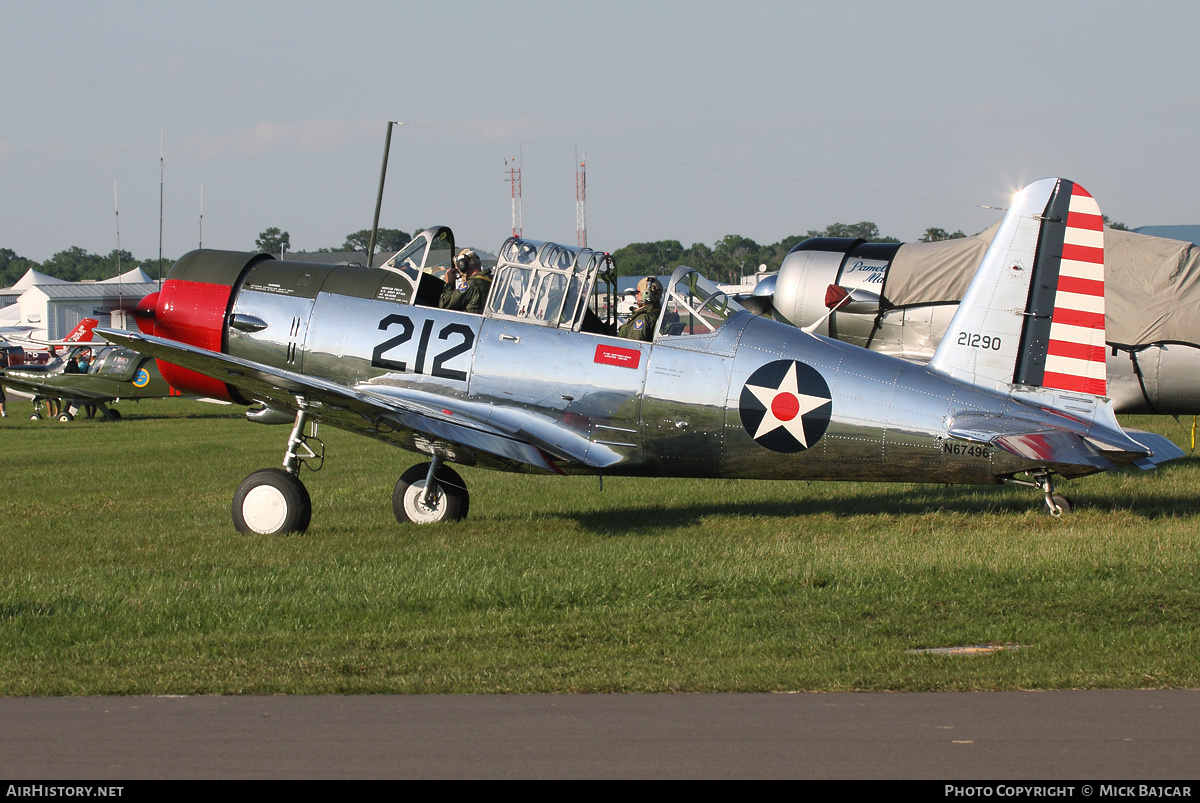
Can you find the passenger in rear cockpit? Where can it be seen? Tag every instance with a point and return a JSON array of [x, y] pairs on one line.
[[642, 322]]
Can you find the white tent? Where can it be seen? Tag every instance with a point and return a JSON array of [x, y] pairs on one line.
[[135, 276], [33, 277]]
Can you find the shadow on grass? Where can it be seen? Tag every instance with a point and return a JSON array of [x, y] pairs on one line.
[[128, 417], [951, 500]]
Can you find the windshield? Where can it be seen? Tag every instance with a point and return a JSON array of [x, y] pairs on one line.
[[430, 250], [694, 305]]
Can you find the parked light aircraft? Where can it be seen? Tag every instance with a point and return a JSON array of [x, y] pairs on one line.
[[898, 299], [113, 373], [1015, 393]]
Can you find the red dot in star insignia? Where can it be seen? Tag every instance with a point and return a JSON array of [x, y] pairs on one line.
[[785, 406]]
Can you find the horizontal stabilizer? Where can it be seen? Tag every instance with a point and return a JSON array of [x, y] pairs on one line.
[[1030, 439], [1059, 447], [1161, 448]]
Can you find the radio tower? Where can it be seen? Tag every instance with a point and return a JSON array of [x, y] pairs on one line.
[[581, 201], [514, 178]]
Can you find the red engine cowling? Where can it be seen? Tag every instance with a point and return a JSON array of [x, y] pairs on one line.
[[191, 307]]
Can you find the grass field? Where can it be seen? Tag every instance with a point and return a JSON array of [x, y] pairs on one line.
[[120, 573]]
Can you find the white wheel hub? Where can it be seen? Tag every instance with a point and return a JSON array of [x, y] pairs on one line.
[[417, 510], [264, 509]]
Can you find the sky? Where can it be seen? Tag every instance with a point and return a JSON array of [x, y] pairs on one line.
[[697, 119]]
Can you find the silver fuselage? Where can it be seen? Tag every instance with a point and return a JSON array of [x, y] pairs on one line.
[[672, 408]]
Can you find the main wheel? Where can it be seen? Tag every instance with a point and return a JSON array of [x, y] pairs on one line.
[[271, 501], [65, 417], [35, 417], [449, 502], [115, 415]]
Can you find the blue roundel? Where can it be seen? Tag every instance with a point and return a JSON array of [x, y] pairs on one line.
[[141, 378]]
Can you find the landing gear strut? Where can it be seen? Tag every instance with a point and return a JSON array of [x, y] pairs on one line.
[[273, 500], [1056, 506], [426, 494]]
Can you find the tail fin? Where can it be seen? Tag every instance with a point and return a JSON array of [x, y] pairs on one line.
[[1034, 313], [82, 333]]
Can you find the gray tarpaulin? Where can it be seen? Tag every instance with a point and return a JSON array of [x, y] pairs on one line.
[[1151, 284]]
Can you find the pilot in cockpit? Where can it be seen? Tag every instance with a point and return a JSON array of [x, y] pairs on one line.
[[642, 322]]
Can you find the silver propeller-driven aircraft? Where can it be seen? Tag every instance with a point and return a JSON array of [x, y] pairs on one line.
[[1015, 392]]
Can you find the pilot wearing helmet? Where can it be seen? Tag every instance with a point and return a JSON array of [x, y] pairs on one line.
[[642, 322], [467, 287]]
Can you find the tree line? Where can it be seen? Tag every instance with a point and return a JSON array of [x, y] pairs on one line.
[[76, 264], [726, 261], [733, 256], [387, 241]]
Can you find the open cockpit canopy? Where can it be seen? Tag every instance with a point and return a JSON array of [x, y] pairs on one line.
[[545, 284]]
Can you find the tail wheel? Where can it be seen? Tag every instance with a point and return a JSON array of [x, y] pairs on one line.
[[1062, 505], [271, 501], [449, 501]]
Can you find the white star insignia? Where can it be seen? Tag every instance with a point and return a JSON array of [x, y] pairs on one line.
[[786, 407]]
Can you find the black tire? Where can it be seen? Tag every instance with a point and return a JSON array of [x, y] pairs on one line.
[[451, 500], [271, 501], [35, 417], [114, 415], [65, 417]]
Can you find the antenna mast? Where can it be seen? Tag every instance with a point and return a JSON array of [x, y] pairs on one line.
[[387, 146], [201, 215], [158, 272], [514, 178], [581, 200], [120, 295]]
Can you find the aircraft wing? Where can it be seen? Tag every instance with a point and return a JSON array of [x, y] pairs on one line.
[[29, 383], [420, 420]]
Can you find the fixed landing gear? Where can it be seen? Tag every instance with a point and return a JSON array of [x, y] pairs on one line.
[[273, 500], [1056, 506], [429, 493]]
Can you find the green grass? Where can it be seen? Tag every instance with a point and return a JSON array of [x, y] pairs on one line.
[[120, 573]]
